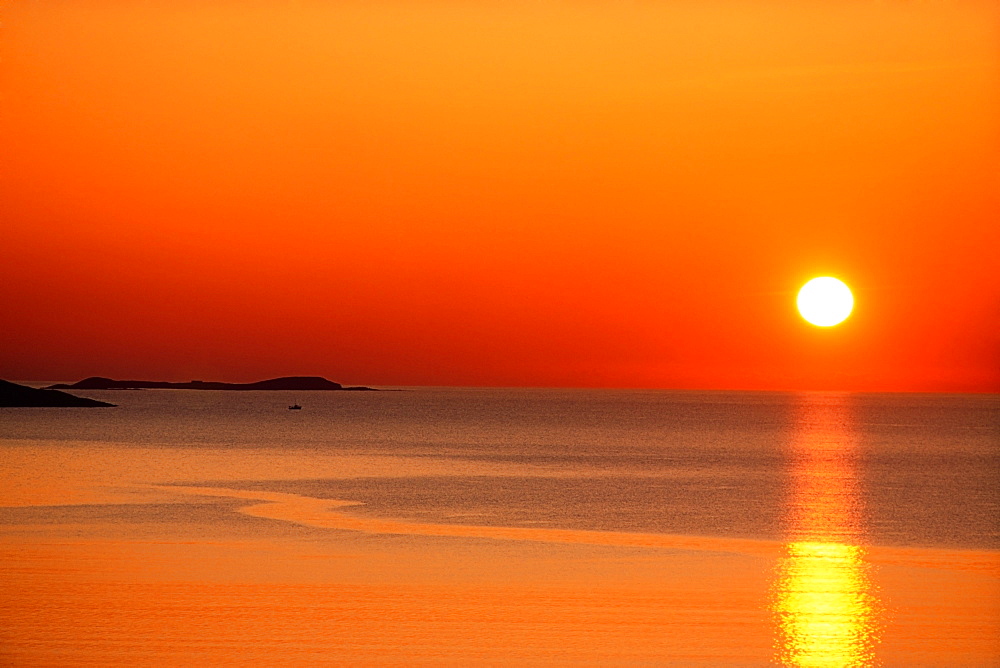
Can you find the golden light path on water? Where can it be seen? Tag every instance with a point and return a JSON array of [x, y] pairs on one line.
[[826, 608]]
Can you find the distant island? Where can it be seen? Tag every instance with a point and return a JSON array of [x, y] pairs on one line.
[[297, 383], [13, 395]]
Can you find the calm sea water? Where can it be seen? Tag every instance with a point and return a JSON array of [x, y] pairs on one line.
[[898, 469], [457, 526]]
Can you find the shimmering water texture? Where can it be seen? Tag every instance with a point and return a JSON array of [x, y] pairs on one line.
[[827, 607], [527, 527]]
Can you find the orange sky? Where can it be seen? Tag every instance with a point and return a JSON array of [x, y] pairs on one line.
[[621, 194]]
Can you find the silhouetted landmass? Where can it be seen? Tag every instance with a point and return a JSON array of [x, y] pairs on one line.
[[14, 395], [290, 383]]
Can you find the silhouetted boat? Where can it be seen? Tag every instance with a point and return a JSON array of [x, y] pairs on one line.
[[295, 407]]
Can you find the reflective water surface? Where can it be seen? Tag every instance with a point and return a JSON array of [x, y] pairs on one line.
[[826, 606], [498, 527]]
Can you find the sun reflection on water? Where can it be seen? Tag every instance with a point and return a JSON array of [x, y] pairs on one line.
[[826, 607]]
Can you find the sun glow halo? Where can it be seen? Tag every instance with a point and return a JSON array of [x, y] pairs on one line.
[[825, 301]]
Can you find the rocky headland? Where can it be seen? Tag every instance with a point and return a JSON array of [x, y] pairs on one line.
[[13, 395]]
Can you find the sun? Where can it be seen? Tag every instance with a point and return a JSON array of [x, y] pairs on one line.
[[825, 301]]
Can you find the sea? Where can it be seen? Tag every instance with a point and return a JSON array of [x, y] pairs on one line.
[[460, 526]]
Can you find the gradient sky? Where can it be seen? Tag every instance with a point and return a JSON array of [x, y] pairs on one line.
[[597, 194]]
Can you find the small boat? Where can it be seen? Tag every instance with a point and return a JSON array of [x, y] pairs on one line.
[[295, 407]]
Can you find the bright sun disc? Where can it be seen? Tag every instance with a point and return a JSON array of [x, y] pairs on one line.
[[825, 301]]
